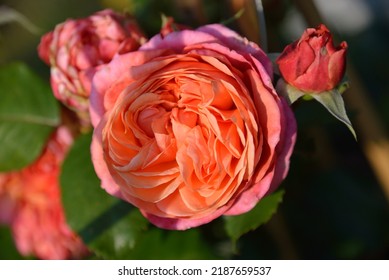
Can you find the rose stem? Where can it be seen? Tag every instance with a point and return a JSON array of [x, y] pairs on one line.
[[277, 227], [370, 129], [262, 24]]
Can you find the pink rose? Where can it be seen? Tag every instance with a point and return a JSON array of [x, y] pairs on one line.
[[313, 63], [76, 47], [189, 127], [30, 202]]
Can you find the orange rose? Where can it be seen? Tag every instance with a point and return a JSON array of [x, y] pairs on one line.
[[189, 127]]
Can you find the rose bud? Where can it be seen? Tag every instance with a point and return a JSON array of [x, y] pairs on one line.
[[30, 202], [190, 127], [75, 48], [313, 63]]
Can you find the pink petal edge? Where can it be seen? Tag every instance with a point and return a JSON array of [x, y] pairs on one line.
[[249, 198], [100, 166]]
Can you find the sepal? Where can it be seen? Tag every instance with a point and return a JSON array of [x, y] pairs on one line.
[[331, 100]]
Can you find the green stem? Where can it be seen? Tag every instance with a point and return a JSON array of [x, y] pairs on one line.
[[262, 24]]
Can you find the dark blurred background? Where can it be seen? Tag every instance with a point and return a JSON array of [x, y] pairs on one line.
[[337, 191]]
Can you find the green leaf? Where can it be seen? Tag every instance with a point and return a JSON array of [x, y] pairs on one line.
[[28, 113], [110, 227], [236, 226], [8, 250], [168, 245], [333, 102]]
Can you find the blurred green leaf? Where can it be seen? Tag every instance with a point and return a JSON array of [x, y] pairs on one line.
[[236, 226], [167, 245], [28, 113], [8, 250], [109, 226]]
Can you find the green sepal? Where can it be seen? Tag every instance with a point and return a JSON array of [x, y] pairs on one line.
[[331, 100], [290, 93]]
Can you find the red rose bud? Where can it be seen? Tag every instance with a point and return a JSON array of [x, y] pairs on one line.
[[313, 63]]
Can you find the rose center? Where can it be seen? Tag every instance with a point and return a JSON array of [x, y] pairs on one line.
[[147, 117]]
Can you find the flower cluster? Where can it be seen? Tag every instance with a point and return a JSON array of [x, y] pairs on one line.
[[187, 125]]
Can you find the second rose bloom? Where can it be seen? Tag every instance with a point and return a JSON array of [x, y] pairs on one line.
[[76, 48]]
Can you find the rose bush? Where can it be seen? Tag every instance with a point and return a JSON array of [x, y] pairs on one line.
[[189, 127], [76, 47], [313, 63], [30, 202]]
